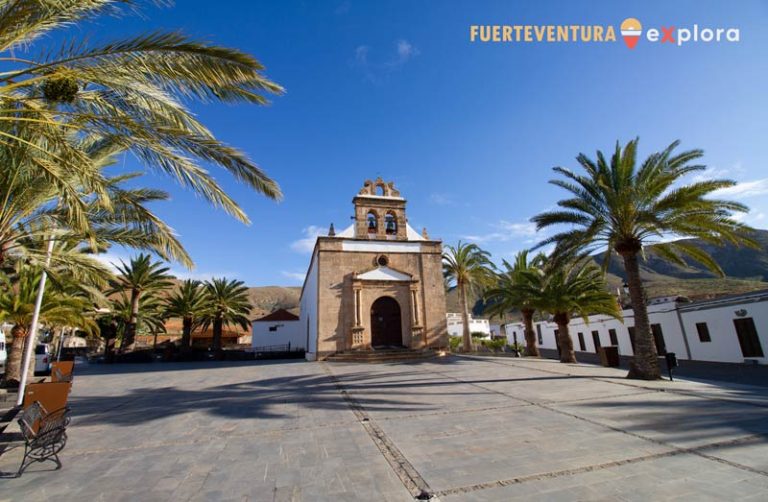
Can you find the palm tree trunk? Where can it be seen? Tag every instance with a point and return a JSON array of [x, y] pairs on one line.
[[465, 335], [130, 327], [567, 355], [13, 365], [186, 332], [217, 327], [531, 349], [645, 363]]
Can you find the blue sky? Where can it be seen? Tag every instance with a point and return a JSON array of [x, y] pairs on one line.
[[468, 132]]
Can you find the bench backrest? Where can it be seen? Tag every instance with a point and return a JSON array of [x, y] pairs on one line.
[[62, 371], [52, 396]]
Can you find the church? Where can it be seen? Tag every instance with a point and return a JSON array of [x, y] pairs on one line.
[[375, 285]]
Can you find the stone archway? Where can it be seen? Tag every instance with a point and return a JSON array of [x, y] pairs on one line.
[[386, 323]]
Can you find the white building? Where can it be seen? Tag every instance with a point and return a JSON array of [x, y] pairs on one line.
[[280, 328], [731, 329], [456, 325]]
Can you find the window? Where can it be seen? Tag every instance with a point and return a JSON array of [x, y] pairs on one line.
[[596, 340], [380, 189], [582, 346], [538, 332], [382, 260], [613, 337], [631, 331], [658, 339], [273, 328], [748, 339], [390, 224], [703, 330]]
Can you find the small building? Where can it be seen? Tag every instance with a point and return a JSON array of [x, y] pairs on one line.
[[376, 284], [731, 329], [456, 325], [278, 329]]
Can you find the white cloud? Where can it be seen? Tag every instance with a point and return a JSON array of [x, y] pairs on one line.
[[343, 8], [440, 199], [744, 189], [406, 50], [307, 243], [112, 260], [296, 277], [377, 71], [507, 231], [200, 275]]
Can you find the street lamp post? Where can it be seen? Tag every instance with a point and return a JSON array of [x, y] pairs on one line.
[[30, 346]]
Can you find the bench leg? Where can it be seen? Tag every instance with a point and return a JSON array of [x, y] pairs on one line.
[[29, 460]]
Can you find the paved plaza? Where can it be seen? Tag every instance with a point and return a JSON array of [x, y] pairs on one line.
[[455, 428]]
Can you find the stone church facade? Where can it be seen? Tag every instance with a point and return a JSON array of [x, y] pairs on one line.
[[377, 284]]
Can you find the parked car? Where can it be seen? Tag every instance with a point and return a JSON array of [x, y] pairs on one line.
[[42, 359]]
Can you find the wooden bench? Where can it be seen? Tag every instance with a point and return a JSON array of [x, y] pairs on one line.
[[51, 395], [44, 433], [62, 371]]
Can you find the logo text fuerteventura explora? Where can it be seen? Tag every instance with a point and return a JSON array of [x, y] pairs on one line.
[[630, 30]]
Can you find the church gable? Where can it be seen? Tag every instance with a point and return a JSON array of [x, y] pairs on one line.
[[384, 274]]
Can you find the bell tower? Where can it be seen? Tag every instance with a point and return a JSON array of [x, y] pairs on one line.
[[380, 212]]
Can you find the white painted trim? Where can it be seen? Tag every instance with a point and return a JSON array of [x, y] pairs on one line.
[[381, 246], [384, 274]]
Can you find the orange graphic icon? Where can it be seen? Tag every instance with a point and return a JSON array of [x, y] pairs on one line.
[[631, 29]]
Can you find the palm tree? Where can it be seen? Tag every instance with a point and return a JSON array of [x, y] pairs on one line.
[[470, 269], [519, 287], [17, 303], [187, 302], [149, 317], [227, 304], [34, 209], [139, 277], [574, 286], [622, 208], [130, 91]]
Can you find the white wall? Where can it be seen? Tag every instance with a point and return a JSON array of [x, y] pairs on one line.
[[308, 312], [678, 326], [512, 329], [284, 332], [724, 345], [456, 326]]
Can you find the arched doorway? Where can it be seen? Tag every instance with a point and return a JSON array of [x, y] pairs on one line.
[[386, 324]]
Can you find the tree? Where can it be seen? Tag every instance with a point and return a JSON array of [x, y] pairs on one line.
[[188, 302], [227, 304], [623, 208], [469, 268], [519, 287], [150, 315], [17, 303], [574, 286], [87, 213], [130, 92], [140, 276]]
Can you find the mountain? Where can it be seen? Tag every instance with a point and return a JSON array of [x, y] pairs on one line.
[[736, 262]]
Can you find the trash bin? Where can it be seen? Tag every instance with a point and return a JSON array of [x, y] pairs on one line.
[[609, 356]]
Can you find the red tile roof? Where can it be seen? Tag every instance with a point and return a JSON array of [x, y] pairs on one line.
[[278, 315]]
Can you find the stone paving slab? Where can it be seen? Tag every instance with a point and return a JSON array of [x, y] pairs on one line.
[[463, 428]]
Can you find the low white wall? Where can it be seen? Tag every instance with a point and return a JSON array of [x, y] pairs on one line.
[[284, 332]]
